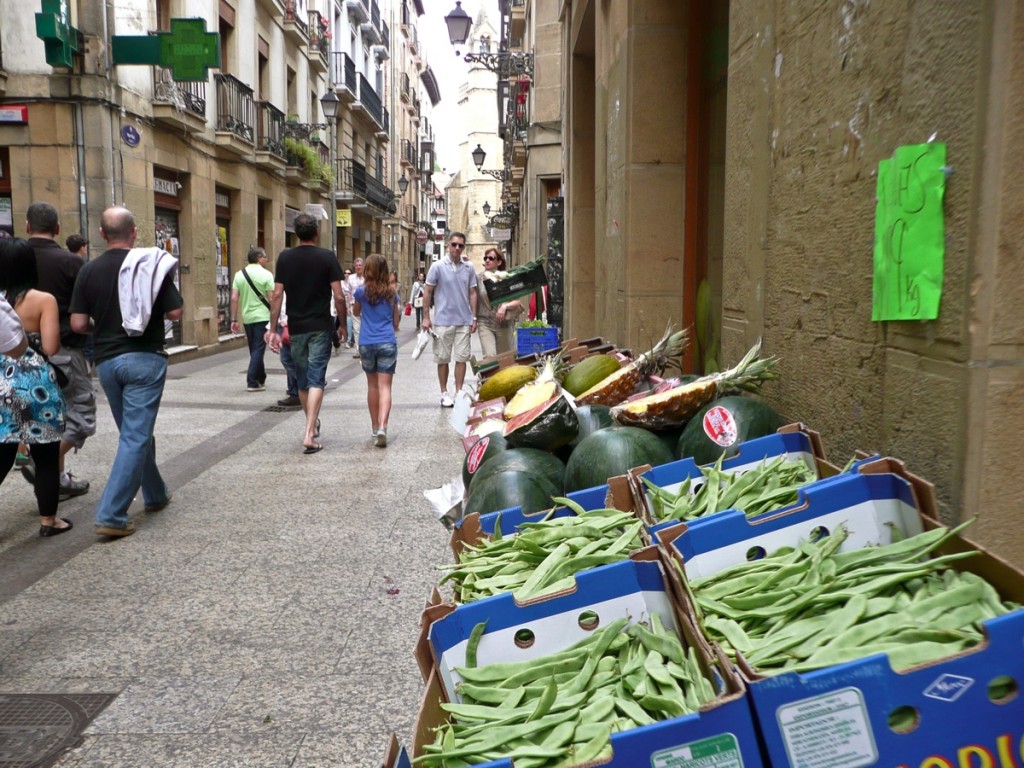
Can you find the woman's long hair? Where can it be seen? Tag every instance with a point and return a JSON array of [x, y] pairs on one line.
[[18, 272], [501, 260], [376, 275]]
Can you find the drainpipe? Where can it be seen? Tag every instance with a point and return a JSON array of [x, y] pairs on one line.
[[78, 129]]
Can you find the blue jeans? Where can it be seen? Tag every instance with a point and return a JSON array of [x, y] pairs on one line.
[[134, 384], [289, 367], [312, 353], [256, 376], [379, 358]]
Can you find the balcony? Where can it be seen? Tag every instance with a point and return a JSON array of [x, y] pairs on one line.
[[319, 46], [270, 151], [359, 189], [358, 10], [308, 158], [178, 105], [405, 89], [343, 73], [369, 103], [410, 156], [235, 130], [295, 29]]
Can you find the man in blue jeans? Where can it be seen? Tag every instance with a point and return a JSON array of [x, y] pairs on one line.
[[131, 369], [249, 291], [310, 275]]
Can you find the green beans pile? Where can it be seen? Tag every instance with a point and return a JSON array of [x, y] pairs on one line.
[[544, 556], [770, 485], [561, 709], [813, 606]]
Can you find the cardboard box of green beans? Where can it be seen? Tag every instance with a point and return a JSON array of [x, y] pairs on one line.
[[868, 633], [610, 672], [764, 476]]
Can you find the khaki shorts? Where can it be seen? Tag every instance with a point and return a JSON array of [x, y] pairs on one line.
[[451, 341], [79, 394]]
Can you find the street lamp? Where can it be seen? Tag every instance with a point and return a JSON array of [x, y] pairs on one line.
[[403, 185], [503, 63], [487, 209], [329, 104], [479, 155]]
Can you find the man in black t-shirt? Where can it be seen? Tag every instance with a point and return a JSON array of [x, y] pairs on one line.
[[132, 370], [58, 270], [310, 275]]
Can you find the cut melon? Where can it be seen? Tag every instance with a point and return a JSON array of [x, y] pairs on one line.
[[550, 425], [506, 382]]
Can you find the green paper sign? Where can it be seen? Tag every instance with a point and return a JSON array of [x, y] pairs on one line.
[[909, 234]]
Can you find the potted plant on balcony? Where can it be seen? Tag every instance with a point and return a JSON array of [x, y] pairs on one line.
[[302, 154]]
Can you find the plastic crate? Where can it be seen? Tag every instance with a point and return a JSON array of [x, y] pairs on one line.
[[532, 341]]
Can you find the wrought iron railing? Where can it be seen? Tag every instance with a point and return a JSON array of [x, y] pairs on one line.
[[354, 179], [385, 35], [291, 15], [370, 100], [410, 154], [343, 71], [187, 95], [269, 129], [375, 14], [235, 107]]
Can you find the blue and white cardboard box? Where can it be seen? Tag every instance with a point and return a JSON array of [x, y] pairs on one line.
[[793, 442], [721, 734], [839, 716]]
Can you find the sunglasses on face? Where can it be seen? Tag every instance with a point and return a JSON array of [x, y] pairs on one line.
[[490, 258], [456, 245]]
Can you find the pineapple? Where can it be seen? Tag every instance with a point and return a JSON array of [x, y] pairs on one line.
[[615, 388], [540, 390], [674, 408]]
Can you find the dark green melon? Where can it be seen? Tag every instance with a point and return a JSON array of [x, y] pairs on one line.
[[544, 464], [482, 451], [610, 452], [721, 425], [591, 418], [510, 488]]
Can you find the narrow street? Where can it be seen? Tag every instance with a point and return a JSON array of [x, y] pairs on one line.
[[267, 617]]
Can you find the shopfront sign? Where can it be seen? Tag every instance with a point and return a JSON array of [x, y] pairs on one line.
[[53, 27], [188, 50], [165, 187], [343, 217]]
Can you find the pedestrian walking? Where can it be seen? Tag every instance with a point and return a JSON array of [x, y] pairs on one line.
[[416, 297], [377, 302], [31, 403], [352, 282], [249, 291], [450, 295], [310, 275], [291, 399], [495, 326], [128, 288], [58, 270], [78, 246]]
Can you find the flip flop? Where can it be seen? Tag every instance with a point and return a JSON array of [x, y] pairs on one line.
[[312, 448]]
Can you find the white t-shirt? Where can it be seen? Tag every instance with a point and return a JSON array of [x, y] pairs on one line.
[[11, 329]]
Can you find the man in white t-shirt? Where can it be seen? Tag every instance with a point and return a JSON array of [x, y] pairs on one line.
[[449, 306]]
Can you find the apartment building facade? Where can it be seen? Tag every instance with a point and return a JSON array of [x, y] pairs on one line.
[[215, 164]]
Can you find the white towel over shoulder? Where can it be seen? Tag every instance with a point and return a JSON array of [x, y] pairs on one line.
[[138, 283]]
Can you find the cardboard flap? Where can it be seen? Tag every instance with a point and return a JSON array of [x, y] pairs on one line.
[[422, 653]]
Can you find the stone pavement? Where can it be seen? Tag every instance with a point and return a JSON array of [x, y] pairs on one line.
[[265, 618]]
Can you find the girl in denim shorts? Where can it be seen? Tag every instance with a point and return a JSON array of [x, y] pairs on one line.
[[378, 304]]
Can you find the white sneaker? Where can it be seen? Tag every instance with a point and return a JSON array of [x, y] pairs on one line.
[[446, 401], [382, 438]]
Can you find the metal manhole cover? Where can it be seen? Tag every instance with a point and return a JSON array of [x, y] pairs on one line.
[[281, 408], [36, 728]]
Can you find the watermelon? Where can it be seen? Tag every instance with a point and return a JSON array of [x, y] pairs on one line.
[[721, 425], [550, 425], [610, 452], [591, 419], [533, 460], [484, 449], [510, 488]]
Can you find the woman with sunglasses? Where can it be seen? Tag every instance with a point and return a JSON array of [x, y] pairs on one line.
[[495, 324]]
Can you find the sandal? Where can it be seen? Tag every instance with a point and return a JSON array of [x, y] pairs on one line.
[[52, 530]]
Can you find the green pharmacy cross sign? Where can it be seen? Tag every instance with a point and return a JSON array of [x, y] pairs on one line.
[[188, 50], [53, 27]]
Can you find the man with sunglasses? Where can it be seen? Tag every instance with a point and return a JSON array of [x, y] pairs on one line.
[[449, 309]]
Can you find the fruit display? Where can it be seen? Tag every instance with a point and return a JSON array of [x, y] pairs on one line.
[[611, 452], [674, 407], [722, 425], [620, 384]]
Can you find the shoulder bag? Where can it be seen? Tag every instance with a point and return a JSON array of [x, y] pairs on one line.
[[255, 289]]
